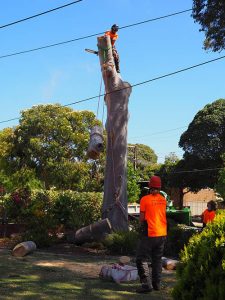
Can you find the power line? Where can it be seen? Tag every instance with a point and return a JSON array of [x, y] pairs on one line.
[[39, 14], [156, 19], [159, 132], [5, 121], [148, 81], [89, 36], [196, 170], [138, 84]]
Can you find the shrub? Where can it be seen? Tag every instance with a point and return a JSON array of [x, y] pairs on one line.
[[201, 274], [44, 211], [122, 242], [178, 236], [75, 210]]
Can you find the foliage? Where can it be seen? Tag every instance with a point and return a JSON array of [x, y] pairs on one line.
[[76, 210], [178, 236], [49, 145], [204, 145], [167, 169], [45, 211], [145, 157], [122, 242], [221, 182], [210, 15], [201, 274], [133, 189]]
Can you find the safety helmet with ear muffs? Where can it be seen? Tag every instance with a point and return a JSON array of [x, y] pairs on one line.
[[115, 27]]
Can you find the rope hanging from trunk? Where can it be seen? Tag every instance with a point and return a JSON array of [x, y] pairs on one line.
[[99, 98]]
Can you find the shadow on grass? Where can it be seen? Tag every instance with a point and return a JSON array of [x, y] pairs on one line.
[[29, 278]]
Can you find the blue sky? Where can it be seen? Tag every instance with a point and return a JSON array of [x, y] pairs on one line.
[[159, 111]]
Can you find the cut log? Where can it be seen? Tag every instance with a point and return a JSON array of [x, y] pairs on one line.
[[94, 232], [24, 248], [96, 142], [169, 264]]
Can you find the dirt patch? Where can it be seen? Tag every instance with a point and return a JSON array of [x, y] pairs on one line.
[[84, 270]]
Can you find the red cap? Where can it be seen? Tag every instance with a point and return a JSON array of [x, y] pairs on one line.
[[155, 182]]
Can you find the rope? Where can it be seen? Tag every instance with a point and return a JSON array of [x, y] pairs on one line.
[[99, 97], [104, 52], [103, 110]]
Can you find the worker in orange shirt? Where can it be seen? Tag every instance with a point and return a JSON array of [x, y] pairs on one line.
[[151, 244], [114, 36], [209, 214]]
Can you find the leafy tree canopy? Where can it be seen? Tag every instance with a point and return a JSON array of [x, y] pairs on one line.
[[146, 159], [52, 141], [210, 14], [204, 145], [133, 188], [220, 186]]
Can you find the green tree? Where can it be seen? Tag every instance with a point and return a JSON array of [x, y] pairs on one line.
[[167, 169], [133, 188], [220, 186], [203, 144], [210, 14], [51, 142], [146, 159]]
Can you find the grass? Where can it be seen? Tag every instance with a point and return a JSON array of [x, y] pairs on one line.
[[53, 276]]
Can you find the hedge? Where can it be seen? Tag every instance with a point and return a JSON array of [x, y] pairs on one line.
[[44, 212], [201, 274]]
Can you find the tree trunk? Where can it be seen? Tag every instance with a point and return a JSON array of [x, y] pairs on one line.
[[94, 232], [115, 181]]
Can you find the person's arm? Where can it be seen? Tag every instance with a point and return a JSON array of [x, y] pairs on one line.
[[142, 216], [142, 210]]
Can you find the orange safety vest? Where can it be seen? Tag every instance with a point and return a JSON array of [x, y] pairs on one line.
[[208, 216], [113, 36], [154, 208]]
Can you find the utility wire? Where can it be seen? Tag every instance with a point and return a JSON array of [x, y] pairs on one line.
[[157, 18], [196, 170], [138, 84], [5, 121], [159, 132], [148, 81], [40, 14], [88, 36]]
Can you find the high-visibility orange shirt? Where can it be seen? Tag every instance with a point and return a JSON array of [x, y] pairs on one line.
[[113, 36], [154, 208], [208, 216]]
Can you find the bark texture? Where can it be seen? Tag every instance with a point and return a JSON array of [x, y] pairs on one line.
[[94, 232], [117, 97]]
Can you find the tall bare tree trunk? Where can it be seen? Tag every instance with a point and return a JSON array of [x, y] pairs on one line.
[[115, 183]]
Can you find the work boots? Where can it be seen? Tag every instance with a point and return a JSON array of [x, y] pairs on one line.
[[146, 286], [156, 286]]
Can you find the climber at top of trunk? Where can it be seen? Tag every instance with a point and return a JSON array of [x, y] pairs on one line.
[[114, 36]]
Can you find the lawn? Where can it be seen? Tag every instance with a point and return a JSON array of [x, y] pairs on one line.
[[45, 275]]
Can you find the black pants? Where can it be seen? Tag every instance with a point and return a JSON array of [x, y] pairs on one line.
[[150, 248], [116, 59]]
